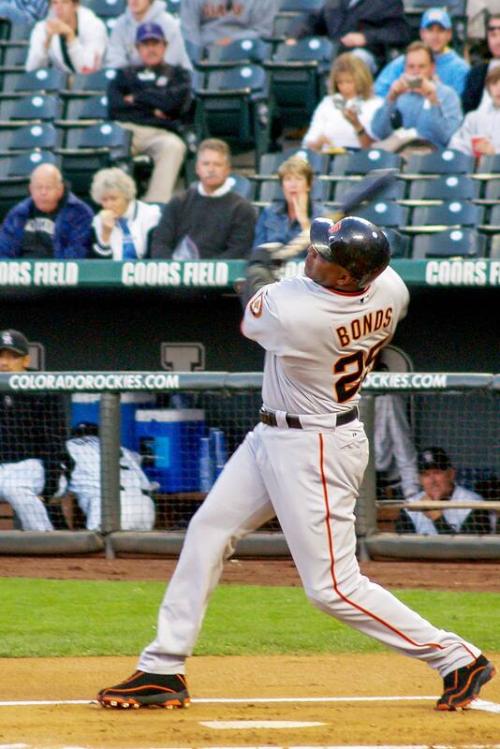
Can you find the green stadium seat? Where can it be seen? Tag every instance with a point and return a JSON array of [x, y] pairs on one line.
[[233, 106], [461, 242]]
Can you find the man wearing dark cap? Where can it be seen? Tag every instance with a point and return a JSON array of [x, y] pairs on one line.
[[437, 477], [32, 434], [151, 100]]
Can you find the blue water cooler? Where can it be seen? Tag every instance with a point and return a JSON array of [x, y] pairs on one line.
[[169, 441], [85, 407]]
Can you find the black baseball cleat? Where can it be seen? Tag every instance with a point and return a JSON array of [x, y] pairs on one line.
[[463, 685], [147, 690]]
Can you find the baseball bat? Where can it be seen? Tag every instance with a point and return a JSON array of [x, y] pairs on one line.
[[368, 188]]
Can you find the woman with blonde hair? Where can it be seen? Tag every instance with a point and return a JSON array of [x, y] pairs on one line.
[[286, 218], [342, 119], [123, 226]]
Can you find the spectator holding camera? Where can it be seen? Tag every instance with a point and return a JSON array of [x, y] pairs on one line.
[[479, 133], [418, 105], [436, 32], [342, 119]]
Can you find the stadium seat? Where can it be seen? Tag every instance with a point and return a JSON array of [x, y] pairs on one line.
[[384, 214], [450, 243], [400, 244], [488, 164], [242, 185], [89, 149], [445, 187], [13, 56], [20, 32], [173, 6], [40, 136], [445, 161], [107, 8], [43, 81], [495, 247], [271, 190], [21, 165], [297, 74], [300, 6], [456, 213], [362, 162], [233, 106], [90, 108], [393, 191], [492, 190], [282, 23], [493, 219], [93, 83], [40, 107], [239, 52]]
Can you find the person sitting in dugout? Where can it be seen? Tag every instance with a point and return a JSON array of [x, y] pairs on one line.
[[437, 477]]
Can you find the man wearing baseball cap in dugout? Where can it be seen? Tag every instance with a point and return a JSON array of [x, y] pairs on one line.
[[151, 100], [437, 477], [33, 457], [436, 31]]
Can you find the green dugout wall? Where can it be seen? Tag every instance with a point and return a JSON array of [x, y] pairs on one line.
[[105, 315]]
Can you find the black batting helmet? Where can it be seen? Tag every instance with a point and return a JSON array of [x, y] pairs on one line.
[[354, 243]]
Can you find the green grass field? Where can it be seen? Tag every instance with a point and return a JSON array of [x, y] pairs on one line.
[[75, 618]]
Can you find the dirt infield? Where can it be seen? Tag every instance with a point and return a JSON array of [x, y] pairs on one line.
[[400, 574], [399, 712], [343, 723]]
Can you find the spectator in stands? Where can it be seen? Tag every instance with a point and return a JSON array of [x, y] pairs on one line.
[[418, 103], [475, 93], [365, 27], [72, 38], [437, 477], [151, 100], [212, 22], [285, 219], [479, 133], [137, 510], [207, 220], [33, 460], [478, 12], [343, 118], [436, 32], [122, 50], [23, 11], [52, 223], [123, 227]]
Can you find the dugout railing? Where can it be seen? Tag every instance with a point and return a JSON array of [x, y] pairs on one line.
[[185, 425]]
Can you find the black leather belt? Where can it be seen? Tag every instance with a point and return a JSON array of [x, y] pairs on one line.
[[293, 422]]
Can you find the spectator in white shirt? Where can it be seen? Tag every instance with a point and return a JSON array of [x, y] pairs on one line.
[[342, 119], [479, 133], [71, 38]]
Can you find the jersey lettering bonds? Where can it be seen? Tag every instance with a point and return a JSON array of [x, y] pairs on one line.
[[319, 343]]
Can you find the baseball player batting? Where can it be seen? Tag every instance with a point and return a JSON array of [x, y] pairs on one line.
[[304, 462]]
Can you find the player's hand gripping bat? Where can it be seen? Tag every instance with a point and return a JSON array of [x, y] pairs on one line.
[[367, 189]]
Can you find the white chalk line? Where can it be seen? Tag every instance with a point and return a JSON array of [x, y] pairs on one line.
[[482, 705]]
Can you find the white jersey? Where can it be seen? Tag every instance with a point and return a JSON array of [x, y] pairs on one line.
[[321, 343]]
